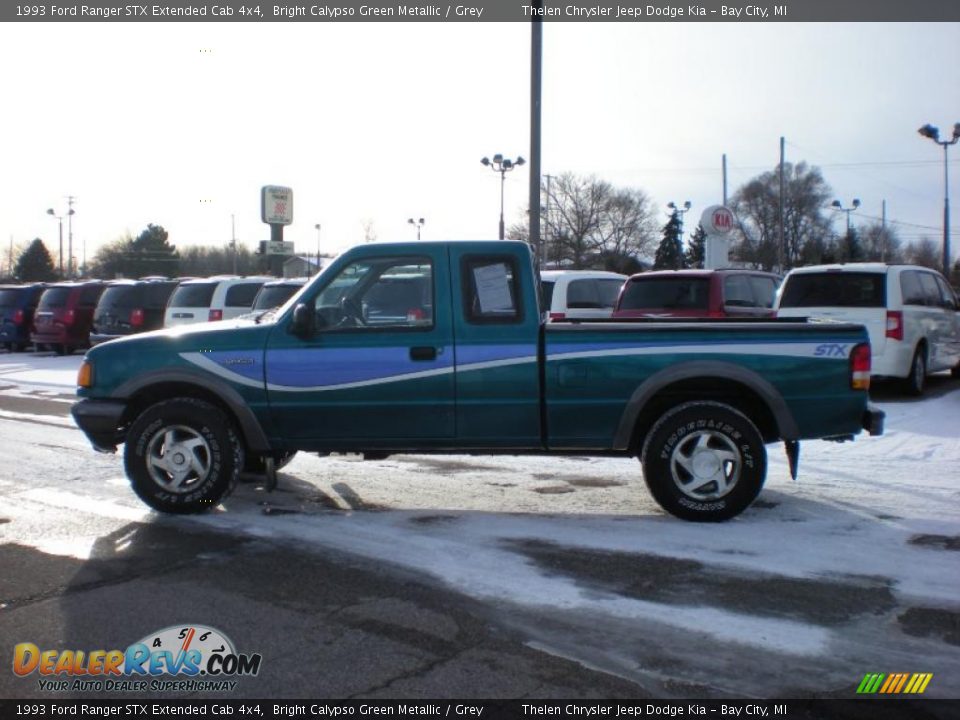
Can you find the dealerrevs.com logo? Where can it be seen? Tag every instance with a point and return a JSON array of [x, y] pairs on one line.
[[176, 659]]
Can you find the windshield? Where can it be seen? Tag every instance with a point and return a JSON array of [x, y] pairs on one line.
[[272, 296]]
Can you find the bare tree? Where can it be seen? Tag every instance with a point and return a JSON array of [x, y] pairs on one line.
[[757, 207], [924, 252], [879, 243], [590, 223]]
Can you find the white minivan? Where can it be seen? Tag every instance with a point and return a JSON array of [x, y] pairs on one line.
[[909, 311], [209, 299], [579, 294]]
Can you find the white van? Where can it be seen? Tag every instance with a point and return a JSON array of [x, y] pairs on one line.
[[222, 297], [579, 294], [909, 311]]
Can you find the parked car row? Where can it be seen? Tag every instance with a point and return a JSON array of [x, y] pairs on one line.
[[911, 312], [65, 316]]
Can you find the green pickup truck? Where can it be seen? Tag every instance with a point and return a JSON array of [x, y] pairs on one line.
[[441, 347]]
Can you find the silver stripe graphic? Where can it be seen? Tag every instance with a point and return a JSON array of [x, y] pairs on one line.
[[795, 350]]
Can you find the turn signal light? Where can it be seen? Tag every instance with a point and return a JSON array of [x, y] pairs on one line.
[[85, 375], [860, 367]]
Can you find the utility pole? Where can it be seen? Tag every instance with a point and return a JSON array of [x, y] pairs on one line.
[[536, 74], [724, 179], [781, 245]]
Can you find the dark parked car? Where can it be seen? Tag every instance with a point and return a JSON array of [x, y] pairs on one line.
[[17, 305], [64, 316], [729, 292], [130, 306]]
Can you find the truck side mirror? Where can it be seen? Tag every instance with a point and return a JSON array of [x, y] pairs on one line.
[[304, 323]]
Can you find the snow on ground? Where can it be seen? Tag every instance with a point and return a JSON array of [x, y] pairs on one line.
[[876, 515]]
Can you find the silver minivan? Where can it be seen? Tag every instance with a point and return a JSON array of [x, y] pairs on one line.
[[910, 312]]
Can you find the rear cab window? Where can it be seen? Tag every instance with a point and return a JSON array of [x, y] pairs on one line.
[[835, 289]]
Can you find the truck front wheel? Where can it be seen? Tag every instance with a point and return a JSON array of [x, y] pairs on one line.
[[183, 456], [704, 461]]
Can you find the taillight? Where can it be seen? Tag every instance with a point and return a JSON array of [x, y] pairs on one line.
[[69, 316], [215, 315], [860, 367], [136, 317], [894, 324], [557, 316], [414, 314], [18, 317]]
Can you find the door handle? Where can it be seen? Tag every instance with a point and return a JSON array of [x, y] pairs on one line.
[[423, 352]]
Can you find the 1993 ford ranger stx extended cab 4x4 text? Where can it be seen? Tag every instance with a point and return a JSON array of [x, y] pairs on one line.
[[441, 347]]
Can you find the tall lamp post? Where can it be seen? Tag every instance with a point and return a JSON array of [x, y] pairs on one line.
[[839, 206], [419, 223], [502, 165], [60, 223], [929, 131]]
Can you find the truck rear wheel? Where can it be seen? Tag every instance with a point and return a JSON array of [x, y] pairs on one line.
[[183, 456], [704, 461]]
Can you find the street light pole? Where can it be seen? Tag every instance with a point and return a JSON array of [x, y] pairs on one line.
[[419, 223], [70, 213], [502, 165], [317, 228], [929, 131], [837, 204]]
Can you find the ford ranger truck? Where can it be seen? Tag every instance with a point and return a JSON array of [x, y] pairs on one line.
[[441, 347]]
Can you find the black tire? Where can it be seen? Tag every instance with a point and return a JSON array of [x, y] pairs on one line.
[[916, 381], [724, 482], [254, 463], [201, 442]]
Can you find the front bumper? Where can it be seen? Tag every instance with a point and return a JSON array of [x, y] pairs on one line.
[[100, 421], [873, 420]]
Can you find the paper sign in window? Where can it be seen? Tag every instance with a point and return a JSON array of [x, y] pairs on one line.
[[493, 289]]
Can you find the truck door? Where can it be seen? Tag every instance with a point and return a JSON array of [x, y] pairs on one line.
[[497, 340], [378, 370]]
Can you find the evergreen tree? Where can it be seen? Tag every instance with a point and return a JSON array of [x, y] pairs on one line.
[[35, 264], [670, 253], [697, 251], [151, 254]]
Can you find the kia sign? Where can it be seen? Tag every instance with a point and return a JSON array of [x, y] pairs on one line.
[[276, 205], [717, 220]]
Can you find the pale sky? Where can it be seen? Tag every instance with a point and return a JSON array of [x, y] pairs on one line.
[[180, 124]]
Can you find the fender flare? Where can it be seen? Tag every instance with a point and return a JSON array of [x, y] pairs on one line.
[[786, 425], [255, 437]]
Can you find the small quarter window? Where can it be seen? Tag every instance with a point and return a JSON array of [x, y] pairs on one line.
[[490, 289]]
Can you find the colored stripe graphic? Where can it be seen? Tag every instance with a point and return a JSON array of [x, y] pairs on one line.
[[894, 684]]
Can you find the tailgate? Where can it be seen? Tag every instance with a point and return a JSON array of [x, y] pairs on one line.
[[873, 319]]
